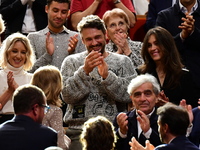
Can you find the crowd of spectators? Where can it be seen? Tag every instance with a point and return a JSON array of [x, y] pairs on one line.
[[72, 78]]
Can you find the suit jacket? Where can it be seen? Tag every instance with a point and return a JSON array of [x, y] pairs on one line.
[[155, 6], [13, 13], [123, 143], [178, 143], [170, 19], [186, 88], [22, 133], [195, 133]]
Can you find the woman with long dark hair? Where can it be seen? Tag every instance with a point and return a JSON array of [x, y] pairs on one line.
[[162, 59]]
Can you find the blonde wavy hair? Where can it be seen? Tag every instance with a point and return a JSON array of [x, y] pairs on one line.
[[49, 79], [7, 45]]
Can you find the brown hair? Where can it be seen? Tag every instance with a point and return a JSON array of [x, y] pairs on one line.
[[171, 59], [98, 134]]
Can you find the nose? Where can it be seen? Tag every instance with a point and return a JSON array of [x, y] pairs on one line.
[[153, 47], [59, 14], [94, 42], [143, 97], [118, 27], [18, 55]]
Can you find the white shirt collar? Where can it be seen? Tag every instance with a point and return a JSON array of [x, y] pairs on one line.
[[184, 10]]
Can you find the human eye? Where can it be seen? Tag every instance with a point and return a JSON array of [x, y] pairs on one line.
[[88, 39], [148, 93], [23, 52], [64, 12], [98, 37], [14, 51], [156, 43], [55, 10], [112, 25], [149, 45], [137, 94], [121, 23]]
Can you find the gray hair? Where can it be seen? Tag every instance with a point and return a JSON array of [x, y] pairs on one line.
[[141, 79]]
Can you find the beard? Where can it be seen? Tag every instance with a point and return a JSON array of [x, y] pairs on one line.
[[102, 50]]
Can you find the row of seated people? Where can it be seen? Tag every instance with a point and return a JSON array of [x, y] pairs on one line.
[[171, 123], [73, 95]]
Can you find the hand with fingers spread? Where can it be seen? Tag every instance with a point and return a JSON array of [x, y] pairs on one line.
[[122, 122], [12, 85], [72, 43], [135, 145], [199, 103], [93, 59], [188, 108], [187, 26], [143, 120], [49, 44], [162, 99]]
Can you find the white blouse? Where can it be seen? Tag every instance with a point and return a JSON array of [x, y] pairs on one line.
[[21, 77]]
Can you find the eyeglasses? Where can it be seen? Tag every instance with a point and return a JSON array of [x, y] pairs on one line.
[[46, 108]]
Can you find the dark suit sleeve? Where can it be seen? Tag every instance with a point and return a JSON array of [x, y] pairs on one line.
[[164, 18], [10, 9], [121, 142], [195, 134], [154, 138], [193, 39], [151, 15]]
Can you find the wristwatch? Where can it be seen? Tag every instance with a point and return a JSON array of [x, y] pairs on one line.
[[117, 1]]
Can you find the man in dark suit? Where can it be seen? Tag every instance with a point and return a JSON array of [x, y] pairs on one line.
[[155, 6], [173, 122], [24, 131], [183, 22], [195, 133], [23, 16], [142, 121]]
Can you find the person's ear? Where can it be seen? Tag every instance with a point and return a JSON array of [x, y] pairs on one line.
[[46, 9], [68, 13], [35, 109], [166, 128], [107, 35]]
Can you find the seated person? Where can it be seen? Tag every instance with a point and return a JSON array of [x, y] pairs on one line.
[[142, 121], [24, 131], [106, 138], [162, 60], [173, 122], [117, 25], [16, 58]]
